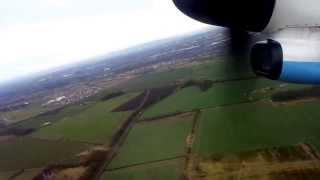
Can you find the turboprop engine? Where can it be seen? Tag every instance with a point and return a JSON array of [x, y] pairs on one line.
[[292, 56], [290, 60]]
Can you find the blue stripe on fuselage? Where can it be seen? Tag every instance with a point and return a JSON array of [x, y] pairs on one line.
[[301, 72]]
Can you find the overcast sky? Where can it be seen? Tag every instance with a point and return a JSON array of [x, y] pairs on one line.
[[38, 34]]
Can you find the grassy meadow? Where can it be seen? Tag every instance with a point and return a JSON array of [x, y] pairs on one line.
[[257, 125], [166, 170], [212, 70], [154, 140], [192, 98], [96, 124]]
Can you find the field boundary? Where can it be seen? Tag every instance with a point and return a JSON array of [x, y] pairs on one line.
[[120, 136], [164, 116], [235, 79], [201, 109], [193, 135], [145, 163], [218, 81], [66, 140]]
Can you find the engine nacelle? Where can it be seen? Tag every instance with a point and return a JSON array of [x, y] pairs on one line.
[[277, 61], [253, 15], [249, 15]]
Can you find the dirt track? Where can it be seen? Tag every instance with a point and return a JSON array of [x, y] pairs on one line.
[[97, 159], [299, 162], [269, 170]]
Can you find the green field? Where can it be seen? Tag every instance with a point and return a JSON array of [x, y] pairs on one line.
[[215, 69], [38, 121], [257, 125], [219, 94], [19, 115], [156, 140], [166, 170], [234, 116], [96, 124], [26, 153]]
